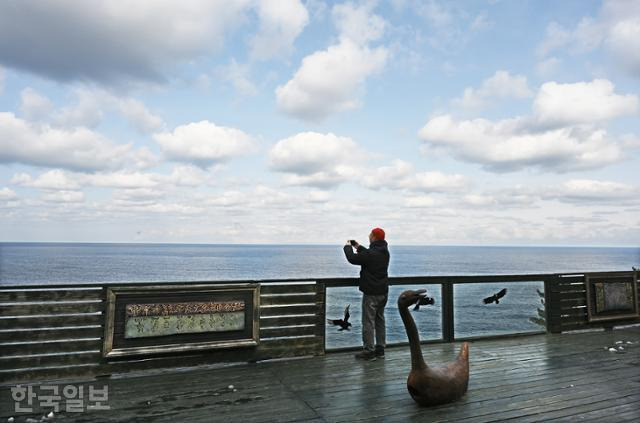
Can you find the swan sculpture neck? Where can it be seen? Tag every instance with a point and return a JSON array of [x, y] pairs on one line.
[[431, 386], [417, 360]]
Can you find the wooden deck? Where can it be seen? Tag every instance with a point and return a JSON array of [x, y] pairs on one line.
[[552, 377]]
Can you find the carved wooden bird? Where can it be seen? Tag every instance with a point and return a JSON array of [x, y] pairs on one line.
[[424, 301], [495, 298], [429, 385], [343, 323]]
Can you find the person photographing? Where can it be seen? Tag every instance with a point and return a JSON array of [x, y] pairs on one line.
[[374, 285]]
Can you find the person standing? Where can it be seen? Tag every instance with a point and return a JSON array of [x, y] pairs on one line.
[[374, 284]]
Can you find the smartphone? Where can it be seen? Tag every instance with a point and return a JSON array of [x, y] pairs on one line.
[[353, 242]]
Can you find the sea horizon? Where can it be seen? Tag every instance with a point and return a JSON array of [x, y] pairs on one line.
[[45, 263], [266, 244]]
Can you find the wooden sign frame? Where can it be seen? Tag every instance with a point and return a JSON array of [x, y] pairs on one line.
[[601, 308], [157, 299]]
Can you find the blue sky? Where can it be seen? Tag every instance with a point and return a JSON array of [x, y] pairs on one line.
[[289, 121]]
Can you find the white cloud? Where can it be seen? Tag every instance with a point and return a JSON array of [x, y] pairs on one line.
[[55, 179], [281, 21], [7, 194], [448, 25], [564, 132], [435, 182], [516, 197], [228, 199], [204, 143], [238, 76], [401, 175], [329, 81], [127, 181], [259, 198], [624, 43], [422, 201], [75, 149], [581, 102], [512, 144], [332, 80], [138, 195], [116, 41], [630, 141], [89, 110], [63, 197], [122, 179], [33, 105], [358, 23], [616, 28], [501, 85], [138, 115], [92, 104], [556, 37], [132, 207], [318, 197], [387, 176], [187, 176], [324, 179], [477, 200], [315, 159], [266, 197], [589, 190]]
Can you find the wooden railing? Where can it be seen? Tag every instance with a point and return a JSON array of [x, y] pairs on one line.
[[56, 331]]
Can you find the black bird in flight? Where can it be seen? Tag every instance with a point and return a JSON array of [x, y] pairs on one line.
[[424, 301], [495, 298], [343, 323]]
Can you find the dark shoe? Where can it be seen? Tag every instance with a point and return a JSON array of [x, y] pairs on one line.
[[366, 355], [379, 352]]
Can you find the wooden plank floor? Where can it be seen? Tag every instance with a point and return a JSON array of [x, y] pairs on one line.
[[569, 377]]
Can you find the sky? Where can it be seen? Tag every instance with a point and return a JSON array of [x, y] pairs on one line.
[[311, 122]]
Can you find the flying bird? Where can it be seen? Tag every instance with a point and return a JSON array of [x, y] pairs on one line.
[[343, 323], [495, 298], [424, 301]]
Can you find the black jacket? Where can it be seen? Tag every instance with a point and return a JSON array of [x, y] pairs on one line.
[[374, 277]]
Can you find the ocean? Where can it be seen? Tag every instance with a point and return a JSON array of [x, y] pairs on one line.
[[61, 263]]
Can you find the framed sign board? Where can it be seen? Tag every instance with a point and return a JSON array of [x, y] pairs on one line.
[[612, 297], [155, 319]]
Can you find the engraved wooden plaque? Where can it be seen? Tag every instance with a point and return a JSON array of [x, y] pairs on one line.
[[612, 297], [146, 319]]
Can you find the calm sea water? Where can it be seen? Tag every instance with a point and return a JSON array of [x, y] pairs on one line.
[[43, 263], [59, 263]]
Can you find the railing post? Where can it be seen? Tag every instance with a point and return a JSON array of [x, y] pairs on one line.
[[448, 334], [321, 304], [552, 305]]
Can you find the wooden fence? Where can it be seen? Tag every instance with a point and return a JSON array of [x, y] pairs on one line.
[[56, 332]]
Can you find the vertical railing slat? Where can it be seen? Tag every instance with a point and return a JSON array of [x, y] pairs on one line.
[[448, 334]]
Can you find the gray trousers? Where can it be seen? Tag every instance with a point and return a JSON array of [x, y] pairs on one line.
[[373, 321]]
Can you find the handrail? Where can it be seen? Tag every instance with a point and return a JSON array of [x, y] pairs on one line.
[[328, 281]]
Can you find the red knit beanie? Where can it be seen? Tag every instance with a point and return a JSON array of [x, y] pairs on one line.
[[378, 233]]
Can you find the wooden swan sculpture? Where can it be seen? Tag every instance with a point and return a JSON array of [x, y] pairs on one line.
[[431, 385]]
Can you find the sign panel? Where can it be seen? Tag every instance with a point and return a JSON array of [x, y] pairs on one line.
[[169, 319], [156, 319], [612, 296]]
